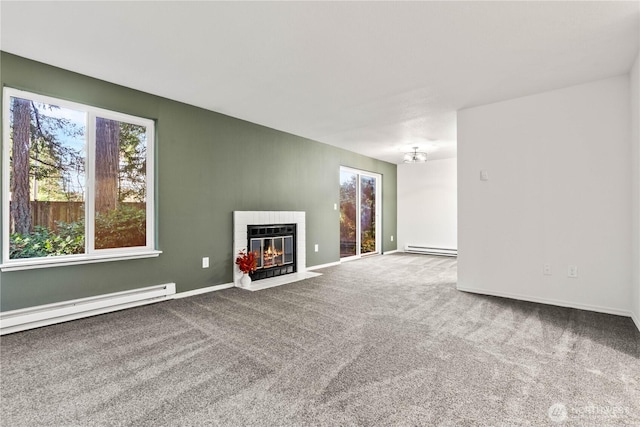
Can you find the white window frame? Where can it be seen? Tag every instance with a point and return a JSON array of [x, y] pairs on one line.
[[91, 254]]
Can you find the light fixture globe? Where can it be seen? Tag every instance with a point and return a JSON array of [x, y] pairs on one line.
[[415, 156]]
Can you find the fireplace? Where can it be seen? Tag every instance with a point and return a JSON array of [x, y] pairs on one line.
[[272, 219], [275, 248]]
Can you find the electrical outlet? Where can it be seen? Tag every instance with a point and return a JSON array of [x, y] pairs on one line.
[[572, 271], [546, 269], [316, 247], [392, 237], [484, 176], [335, 206], [205, 262]]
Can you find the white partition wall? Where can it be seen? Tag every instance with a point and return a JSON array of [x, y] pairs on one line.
[[558, 180], [635, 190]]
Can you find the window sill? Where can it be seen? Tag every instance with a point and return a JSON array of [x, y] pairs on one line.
[[30, 264]]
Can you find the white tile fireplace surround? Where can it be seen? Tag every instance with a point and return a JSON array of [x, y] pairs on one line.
[[243, 218]]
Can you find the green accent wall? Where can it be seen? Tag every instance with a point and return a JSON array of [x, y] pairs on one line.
[[207, 166]]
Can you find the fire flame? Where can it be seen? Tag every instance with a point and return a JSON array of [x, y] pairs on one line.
[[269, 256]]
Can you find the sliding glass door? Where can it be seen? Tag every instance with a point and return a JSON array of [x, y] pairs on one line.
[[368, 241], [348, 213], [359, 212]]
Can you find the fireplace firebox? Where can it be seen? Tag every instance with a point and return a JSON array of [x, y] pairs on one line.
[[275, 249]]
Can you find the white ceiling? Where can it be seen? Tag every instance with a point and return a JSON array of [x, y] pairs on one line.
[[376, 78]]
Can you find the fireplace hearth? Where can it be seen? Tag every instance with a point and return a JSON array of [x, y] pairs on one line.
[[271, 219], [275, 248]]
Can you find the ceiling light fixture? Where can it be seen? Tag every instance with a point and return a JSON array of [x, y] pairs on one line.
[[415, 156]]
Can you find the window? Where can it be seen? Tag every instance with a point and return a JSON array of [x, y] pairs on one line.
[[77, 183]]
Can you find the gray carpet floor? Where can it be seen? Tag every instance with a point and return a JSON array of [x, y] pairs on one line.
[[386, 340]]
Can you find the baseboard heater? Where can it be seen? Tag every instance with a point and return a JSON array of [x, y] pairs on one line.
[[415, 249], [43, 315]]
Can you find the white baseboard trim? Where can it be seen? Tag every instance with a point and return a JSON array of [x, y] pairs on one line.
[[636, 319], [199, 291], [49, 314], [598, 309], [319, 266], [390, 252]]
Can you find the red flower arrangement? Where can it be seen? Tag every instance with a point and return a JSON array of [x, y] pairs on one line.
[[246, 261]]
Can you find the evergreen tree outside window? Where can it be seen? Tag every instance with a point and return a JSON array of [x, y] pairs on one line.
[[77, 182]]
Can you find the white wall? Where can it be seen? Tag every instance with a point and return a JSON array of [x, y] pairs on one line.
[[427, 204], [558, 193], [635, 197]]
